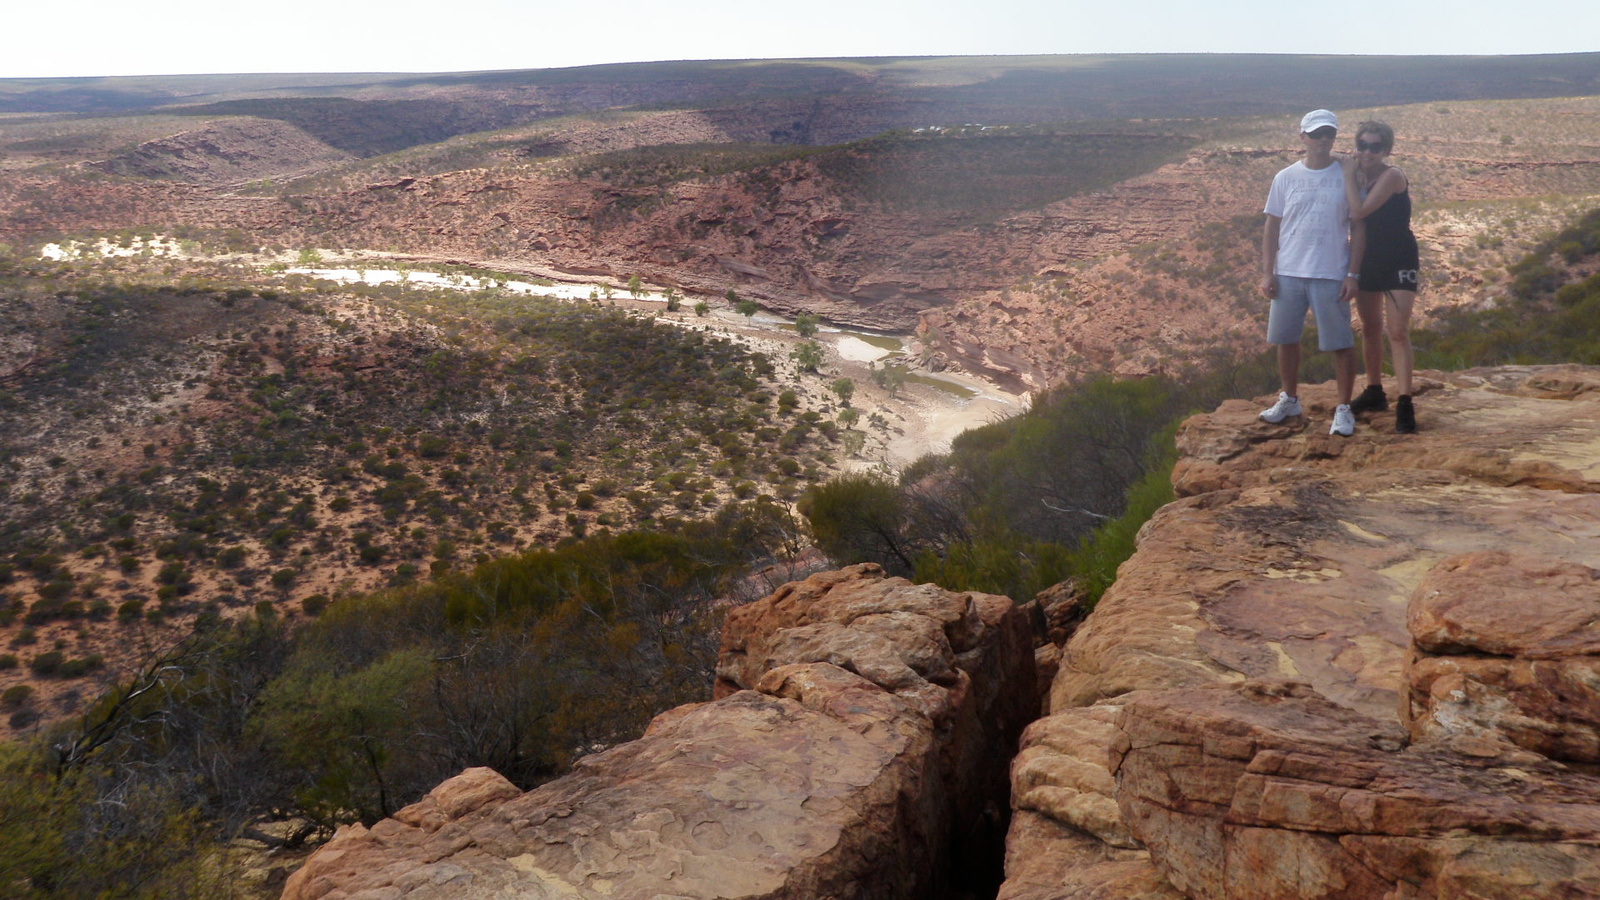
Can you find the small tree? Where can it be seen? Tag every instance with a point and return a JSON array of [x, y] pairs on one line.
[[860, 517], [635, 287], [806, 324], [890, 377], [701, 309], [845, 388], [808, 356], [748, 308], [674, 300]]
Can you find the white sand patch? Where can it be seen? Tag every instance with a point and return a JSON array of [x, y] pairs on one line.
[[155, 246], [457, 282], [857, 350], [933, 424]]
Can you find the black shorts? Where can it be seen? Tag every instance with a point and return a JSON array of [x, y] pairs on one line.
[[1392, 266]]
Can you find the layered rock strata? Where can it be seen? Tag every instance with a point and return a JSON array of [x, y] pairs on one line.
[[1340, 667], [1507, 646], [857, 724], [1267, 791]]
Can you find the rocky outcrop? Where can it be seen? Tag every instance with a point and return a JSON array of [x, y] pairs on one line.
[[1507, 646], [859, 720], [1355, 667], [227, 151], [1266, 790]]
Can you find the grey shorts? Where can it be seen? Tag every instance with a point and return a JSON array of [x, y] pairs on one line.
[[1287, 320]]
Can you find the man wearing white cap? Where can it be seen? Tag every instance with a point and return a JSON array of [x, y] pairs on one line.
[[1306, 252]]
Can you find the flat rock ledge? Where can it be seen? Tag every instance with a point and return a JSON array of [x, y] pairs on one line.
[[858, 722], [1359, 667]]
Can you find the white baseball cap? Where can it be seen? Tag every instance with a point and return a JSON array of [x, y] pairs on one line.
[[1318, 118]]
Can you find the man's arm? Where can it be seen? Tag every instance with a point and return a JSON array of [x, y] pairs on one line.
[[1358, 249], [1269, 256]]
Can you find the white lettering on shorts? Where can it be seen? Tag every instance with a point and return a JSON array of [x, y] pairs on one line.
[[1408, 276]]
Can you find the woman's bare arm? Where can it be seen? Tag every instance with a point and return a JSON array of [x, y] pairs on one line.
[[1391, 182]]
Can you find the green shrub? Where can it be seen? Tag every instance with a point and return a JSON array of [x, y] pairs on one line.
[[77, 668], [85, 833], [1094, 563], [48, 663]]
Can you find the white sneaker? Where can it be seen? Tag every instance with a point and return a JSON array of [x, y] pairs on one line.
[[1344, 421], [1285, 407]]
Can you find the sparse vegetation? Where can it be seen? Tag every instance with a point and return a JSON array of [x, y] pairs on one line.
[[1022, 504], [346, 539], [1550, 311]]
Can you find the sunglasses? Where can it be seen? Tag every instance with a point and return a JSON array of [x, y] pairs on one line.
[[1322, 134], [1368, 146]]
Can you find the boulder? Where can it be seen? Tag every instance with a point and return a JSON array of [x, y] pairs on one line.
[[846, 753], [1497, 603], [1065, 770], [1507, 646]]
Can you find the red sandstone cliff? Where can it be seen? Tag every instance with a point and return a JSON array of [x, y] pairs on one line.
[[1335, 668], [1340, 667]]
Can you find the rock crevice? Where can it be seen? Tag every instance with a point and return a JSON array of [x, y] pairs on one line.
[[856, 747]]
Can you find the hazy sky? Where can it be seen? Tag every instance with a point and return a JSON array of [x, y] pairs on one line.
[[99, 37]]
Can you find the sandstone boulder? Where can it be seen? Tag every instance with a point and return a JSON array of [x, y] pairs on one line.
[[852, 768], [1496, 603], [1065, 770], [1507, 646]]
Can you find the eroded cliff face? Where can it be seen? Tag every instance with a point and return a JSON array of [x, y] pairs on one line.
[[1355, 667], [857, 747]]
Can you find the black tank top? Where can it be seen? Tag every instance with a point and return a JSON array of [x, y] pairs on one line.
[[1390, 222]]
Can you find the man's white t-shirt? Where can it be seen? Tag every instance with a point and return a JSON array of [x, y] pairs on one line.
[[1314, 237]]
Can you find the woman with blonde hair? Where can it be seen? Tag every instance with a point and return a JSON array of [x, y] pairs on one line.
[[1380, 195]]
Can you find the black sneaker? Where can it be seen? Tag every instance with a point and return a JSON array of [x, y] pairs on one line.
[[1405, 418], [1371, 400]]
